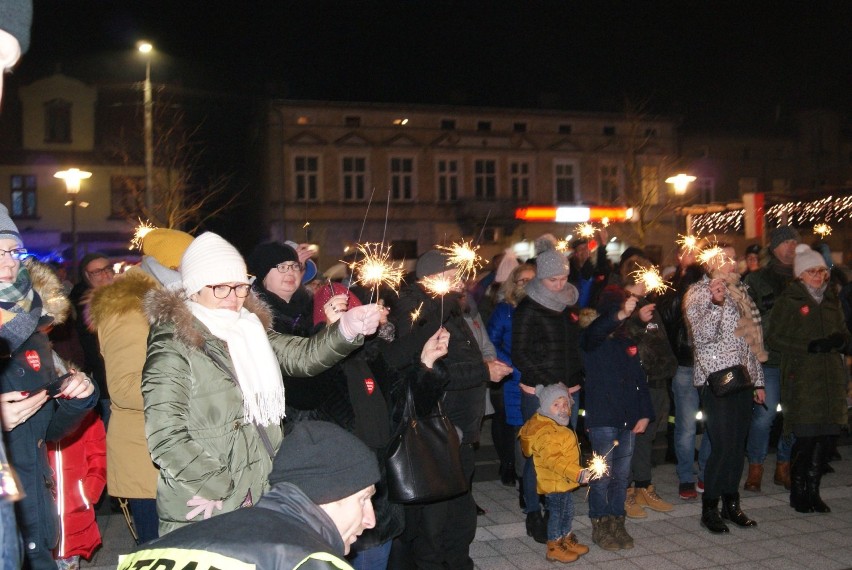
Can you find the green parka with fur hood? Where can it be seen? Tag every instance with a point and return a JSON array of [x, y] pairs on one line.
[[194, 409]]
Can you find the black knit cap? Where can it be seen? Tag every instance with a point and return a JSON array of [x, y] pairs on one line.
[[267, 255], [325, 461], [753, 248], [87, 259], [432, 262]]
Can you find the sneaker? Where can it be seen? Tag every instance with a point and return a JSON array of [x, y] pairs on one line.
[[699, 486], [687, 491], [648, 497], [632, 508]]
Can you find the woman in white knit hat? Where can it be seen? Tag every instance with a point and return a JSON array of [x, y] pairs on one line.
[[212, 383], [808, 329]]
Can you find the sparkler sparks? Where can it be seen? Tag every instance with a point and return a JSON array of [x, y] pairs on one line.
[[605, 221], [586, 230], [374, 268], [598, 466], [713, 257], [463, 256], [139, 234], [651, 279], [438, 285], [562, 246], [822, 230], [415, 314], [688, 242]]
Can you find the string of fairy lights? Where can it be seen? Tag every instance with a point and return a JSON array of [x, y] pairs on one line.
[[815, 212]]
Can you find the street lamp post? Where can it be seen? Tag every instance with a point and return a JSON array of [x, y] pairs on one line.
[[72, 178], [680, 182], [146, 48]]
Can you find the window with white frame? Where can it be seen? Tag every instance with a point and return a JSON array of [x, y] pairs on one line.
[[354, 177], [447, 176], [520, 180], [24, 198], [402, 178], [485, 178], [565, 176], [612, 190], [306, 178], [705, 190]]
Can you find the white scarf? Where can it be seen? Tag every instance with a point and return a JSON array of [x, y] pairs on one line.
[[256, 367]]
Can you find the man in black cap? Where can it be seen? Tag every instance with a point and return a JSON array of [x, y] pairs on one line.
[[764, 286], [322, 481]]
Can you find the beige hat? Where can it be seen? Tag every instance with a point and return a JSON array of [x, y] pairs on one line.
[[210, 260]]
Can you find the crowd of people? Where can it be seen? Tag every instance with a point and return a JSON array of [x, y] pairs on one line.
[[240, 410]]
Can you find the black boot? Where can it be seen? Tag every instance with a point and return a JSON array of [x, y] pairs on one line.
[[537, 527], [710, 518], [814, 476], [731, 511], [521, 502], [799, 498]]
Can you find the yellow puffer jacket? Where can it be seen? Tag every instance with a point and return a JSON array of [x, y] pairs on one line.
[[555, 452]]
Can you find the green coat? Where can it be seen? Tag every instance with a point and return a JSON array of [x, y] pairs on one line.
[[813, 386], [194, 411]]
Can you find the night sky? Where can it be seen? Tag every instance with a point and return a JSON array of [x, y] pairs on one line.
[[714, 63]]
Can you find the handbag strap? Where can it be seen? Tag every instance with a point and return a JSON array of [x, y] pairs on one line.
[[264, 437]]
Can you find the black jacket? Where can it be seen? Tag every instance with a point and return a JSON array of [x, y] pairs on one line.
[[670, 308], [545, 345], [278, 533]]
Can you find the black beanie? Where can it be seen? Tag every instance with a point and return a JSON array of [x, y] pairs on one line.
[[325, 461], [267, 255], [87, 259], [432, 262]]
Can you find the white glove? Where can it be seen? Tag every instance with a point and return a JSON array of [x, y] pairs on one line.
[[202, 505], [360, 320]]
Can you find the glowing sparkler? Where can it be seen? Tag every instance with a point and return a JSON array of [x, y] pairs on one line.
[[139, 234], [598, 466], [713, 257], [463, 256], [651, 279], [586, 230], [562, 246], [374, 268], [605, 221], [822, 230], [415, 314], [688, 242], [439, 285]]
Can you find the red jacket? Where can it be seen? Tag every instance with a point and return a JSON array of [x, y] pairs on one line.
[[79, 464]]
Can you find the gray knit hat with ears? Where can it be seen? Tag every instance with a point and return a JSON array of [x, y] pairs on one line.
[[8, 229], [549, 394], [551, 263]]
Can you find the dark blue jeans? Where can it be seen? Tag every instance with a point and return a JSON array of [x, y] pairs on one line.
[[608, 493], [529, 406], [144, 514], [561, 509]]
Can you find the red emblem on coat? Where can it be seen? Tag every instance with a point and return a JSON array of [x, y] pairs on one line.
[[805, 310], [632, 350], [33, 360], [370, 385]]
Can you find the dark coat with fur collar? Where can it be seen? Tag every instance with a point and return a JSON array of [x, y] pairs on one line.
[[194, 420]]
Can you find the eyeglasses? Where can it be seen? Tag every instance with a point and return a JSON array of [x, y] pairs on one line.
[[17, 254], [817, 271], [222, 291], [103, 271], [289, 266]]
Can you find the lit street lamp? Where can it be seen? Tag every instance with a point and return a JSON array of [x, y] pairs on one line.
[[680, 182], [146, 48], [72, 178]]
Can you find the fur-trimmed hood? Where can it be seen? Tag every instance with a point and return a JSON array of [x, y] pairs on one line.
[[163, 306], [48, 286], [122, 296]]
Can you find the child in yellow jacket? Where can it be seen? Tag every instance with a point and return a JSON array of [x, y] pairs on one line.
[[556, 456]]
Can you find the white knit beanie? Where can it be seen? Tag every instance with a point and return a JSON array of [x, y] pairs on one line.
[[806, 258], [210, 260]]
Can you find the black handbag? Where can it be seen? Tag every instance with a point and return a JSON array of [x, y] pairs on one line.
[[423, 460], [730, 381]]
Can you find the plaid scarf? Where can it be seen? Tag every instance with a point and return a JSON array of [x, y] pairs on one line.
[[20, 310], [748, 325]]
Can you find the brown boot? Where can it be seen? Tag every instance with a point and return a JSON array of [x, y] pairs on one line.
[[569, 542], [755, 475], [782, 474], [558, 553]]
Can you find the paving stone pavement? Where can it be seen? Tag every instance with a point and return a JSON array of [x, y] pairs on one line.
[[782, 540]]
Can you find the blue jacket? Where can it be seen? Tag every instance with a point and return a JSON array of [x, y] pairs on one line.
[[616, 389], [500, 332]]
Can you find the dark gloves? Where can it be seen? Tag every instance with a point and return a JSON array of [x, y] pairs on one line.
[[835, 342]]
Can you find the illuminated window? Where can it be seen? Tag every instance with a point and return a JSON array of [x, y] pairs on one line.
[[303, 120], [24, 197], [485, 179], [448, 180]]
